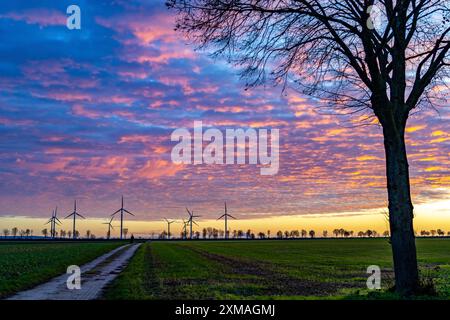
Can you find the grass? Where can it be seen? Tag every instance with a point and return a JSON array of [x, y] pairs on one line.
[[307, 269], [26, 264]]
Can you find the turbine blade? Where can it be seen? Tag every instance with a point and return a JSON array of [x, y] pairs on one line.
[[195, 223], [80, 216], [128, 212], [232, 217], [57, 219], [221, 217], [116, 212], [69, 215]]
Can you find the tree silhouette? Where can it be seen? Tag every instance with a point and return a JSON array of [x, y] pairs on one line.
[[45, 232], [279, 234], [5, 232], [14, 231], [312, 233], [334, 50], [125, 232], [325, 233], [336, 232]]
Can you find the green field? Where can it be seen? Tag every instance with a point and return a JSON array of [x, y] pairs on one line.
[[305, 269], [26, 264]]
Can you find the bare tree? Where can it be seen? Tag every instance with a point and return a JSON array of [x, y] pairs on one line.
[[45, 232], [14, 231], [6, 232], [336, 232], [334, 50]]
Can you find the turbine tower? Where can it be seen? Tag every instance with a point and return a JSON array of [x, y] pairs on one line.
[[226, 215], [191, 221], [122, 210], [74, 214], [168, 227], [185, 223], [110, 226]]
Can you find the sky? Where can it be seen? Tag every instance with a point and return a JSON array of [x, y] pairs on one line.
[[88, 114]]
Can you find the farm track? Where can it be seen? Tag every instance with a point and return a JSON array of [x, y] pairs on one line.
[[95, 276]]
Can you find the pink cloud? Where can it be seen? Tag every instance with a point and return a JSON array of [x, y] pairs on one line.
[[41, 17]]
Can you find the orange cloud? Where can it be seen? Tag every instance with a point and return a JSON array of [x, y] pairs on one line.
[[160, 168]]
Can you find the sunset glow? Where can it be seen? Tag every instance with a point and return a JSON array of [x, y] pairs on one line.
[[88, 115]]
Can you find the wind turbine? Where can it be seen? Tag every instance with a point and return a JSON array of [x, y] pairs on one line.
[[226, 215], [168, 227], [74, 214], [110, 226], [121, 210], [53, 221], [185, 223], [191, 221]]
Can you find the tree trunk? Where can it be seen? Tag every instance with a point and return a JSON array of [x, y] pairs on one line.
[[400, 211]]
